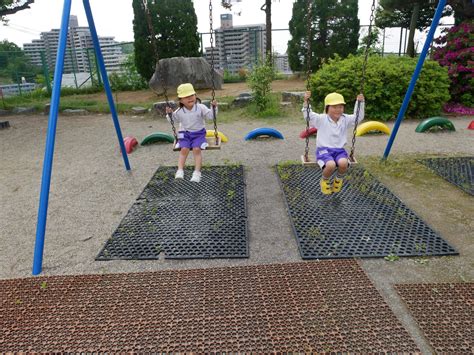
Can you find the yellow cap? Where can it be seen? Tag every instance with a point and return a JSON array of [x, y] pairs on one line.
[[185, 90], [334, 99]]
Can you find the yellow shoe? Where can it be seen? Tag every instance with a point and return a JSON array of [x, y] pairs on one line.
[[325, 187], [337, 185]]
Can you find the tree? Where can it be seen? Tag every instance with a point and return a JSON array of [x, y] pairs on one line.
[[334, 30], [412, 14], [463, 10], [174, 24], [10, 7], [15, 64]]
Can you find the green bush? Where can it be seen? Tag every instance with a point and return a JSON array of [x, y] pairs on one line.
[[129, 79], [259, 81], [228, 77], [272, 108], [387, 80]]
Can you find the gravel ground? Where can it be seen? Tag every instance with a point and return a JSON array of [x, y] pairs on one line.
[[91, 192]]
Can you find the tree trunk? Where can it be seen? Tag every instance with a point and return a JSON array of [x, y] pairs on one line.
[[267, 7], [411, 35]]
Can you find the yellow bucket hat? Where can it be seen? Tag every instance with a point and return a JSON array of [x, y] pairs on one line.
[[334, 99], [185, 90]]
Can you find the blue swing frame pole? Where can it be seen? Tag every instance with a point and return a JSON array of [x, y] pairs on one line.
[[414, 78], [103, 72], [53, 119], [50, 139]]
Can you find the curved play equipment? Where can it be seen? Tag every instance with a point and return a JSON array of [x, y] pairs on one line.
[[471, 125], [372, 126], [130, 143], [308, 132], [210, 134], [157, 137], [263, 131], [435, 121]]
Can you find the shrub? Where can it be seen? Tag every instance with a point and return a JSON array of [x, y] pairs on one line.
[[129, 78], [455, 51], [228, 77], [259, 81], [385, 86]]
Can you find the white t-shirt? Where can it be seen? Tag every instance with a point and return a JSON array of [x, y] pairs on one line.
[[192, 120], [332, 134]]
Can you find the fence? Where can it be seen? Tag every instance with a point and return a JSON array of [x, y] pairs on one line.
[[81, 70]]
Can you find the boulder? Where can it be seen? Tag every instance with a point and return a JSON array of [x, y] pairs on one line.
[[296, 97], [160, 107], [242, 101], [24, 110], [73, 112], [179, 70], [138, 110]]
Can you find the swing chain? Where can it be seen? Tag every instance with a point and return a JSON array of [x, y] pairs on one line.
[[362, 82], [160, 69], [211, 31], [308, 74]]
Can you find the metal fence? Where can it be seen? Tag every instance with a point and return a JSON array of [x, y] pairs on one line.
[[80, 68]]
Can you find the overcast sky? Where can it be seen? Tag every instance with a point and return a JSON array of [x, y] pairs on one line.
[[114, 18]]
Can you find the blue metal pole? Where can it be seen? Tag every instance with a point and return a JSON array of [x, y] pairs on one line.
[[108, 91], [50, 139], [414, 78]]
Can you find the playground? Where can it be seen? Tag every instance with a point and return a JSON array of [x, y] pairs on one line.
[[91, 193], [260, 250]]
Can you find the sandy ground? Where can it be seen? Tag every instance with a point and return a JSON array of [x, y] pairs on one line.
[[91, 192]]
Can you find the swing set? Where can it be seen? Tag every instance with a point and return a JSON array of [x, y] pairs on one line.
[[55, 98], [305, 157], [213, 144]]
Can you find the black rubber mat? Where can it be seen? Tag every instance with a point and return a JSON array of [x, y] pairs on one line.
[[445, 313], [458, 171], [363, 220], [184, 219], [325, 307]]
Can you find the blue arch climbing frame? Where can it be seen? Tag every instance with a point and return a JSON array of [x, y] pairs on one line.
[[263, 131]]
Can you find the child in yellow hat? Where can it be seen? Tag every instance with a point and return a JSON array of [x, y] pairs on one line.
[[332, 129], [191, 116]]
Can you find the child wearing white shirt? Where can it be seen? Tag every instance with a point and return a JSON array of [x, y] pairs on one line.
[[331, 137], [192, 131]]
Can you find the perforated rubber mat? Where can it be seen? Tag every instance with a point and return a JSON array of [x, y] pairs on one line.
[[445, 313], [326, 306], [363, 220], [185, 219], [458, 171]]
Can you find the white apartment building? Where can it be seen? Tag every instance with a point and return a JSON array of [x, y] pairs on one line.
[[281, 63], [79, 51], [237, 46]]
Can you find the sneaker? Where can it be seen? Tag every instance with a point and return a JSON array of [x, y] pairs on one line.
[[337, 185], [326, 187], [196, 176], [179, 174]]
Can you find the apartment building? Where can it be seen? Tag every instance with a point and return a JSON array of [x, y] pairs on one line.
[[237, 46], [79, 51]]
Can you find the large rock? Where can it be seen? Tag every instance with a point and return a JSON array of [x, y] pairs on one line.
[[179, 70]]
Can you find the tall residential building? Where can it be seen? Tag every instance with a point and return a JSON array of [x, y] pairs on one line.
[[281, 63], [237, 46], [79, 51]]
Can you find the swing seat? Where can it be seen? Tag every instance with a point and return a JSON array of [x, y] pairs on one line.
[[352, 161], [307, 162], [211, 141]]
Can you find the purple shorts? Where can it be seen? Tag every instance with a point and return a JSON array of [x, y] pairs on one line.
[[323, 155], [187, 139]]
